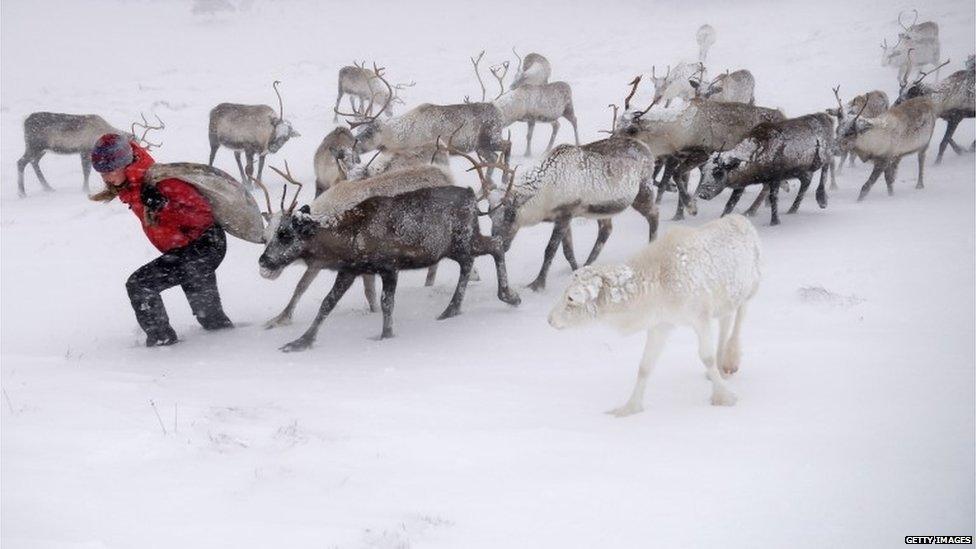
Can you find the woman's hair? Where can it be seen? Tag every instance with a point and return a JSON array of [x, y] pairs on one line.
[[106, 195]]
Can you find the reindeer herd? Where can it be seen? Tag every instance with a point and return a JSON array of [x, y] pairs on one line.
[[402, 208]]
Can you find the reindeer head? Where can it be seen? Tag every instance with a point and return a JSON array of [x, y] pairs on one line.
[[282, 128], [629, 122], [661, 83], [594, 291], [287, 231], [715, 175]]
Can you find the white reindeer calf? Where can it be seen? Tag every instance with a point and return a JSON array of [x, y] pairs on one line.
[[688, 277]]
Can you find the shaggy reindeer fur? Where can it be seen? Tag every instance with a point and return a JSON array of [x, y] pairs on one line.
[[597, 181], [688, 277], [770, 154]]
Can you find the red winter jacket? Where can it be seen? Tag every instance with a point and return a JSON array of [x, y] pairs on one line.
[[186, 215]]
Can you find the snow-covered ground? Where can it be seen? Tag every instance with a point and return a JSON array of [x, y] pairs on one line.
[[855, 421]]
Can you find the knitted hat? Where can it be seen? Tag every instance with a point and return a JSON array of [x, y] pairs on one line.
[[112, 151]]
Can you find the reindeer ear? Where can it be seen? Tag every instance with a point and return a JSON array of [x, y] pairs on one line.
[[305, 209], [733, 163], [694, 83]]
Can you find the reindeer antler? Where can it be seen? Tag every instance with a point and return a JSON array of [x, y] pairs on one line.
[[477, 73], [503, 69], [479, 167], [519, 57], [913, 22], [281, 105], [149, 145], [267, 196], [840, 104], [633, 83], [286, 175], [926, 73], [367, 115], [613, 125]]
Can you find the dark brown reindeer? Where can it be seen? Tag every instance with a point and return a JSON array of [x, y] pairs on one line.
[[384, 235], [770, 154], [254, 130], [65, 134]]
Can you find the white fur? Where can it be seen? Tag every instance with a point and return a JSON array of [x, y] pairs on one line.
[[688, 277]]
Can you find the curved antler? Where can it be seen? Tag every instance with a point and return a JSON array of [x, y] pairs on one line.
[[281, 104], [149, 145], [286, 175], [633, 83]]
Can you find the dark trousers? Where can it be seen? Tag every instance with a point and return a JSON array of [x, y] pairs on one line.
[[191, 267]]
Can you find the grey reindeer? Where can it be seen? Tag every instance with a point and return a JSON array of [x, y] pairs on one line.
[[903, 129], [362, 83], [477, 127], [64, 134], [532, 98], [954, 98], [255, 130], [873, 102], [918, 45]]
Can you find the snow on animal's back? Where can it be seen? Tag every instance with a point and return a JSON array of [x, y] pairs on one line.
[[608, 172], [716, 266]]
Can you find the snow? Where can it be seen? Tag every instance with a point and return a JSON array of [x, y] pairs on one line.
[[854, 425]]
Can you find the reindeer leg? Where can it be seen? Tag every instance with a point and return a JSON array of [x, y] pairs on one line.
[[249, 167], [248, 184], [389, 294], [552, 138], [213, 151], [495, 247], [85, 170], [539, 283], [921, 169], [284, 317], [774, 202], [652, 351], [36, 164], [571, 116], [821, 188], [455, 306], [681, 180], [568, 250], [606, 227], [528, 137], [369, 289], [805, 179], [891, 170], [431, 275], [733, 200], [237, 158], [947, 139], [879, 167], [840, 168], [342, 283], [21, 165], [833, 179], [644, 204], [758, 202]]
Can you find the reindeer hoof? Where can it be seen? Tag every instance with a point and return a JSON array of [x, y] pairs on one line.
[[723, 398], [626, 410], [511, 298], [300, 344], [279, 320], [537, 285], [387, 334], [449, 312]]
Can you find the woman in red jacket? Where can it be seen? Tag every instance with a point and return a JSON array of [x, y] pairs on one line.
[[179, 221]]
